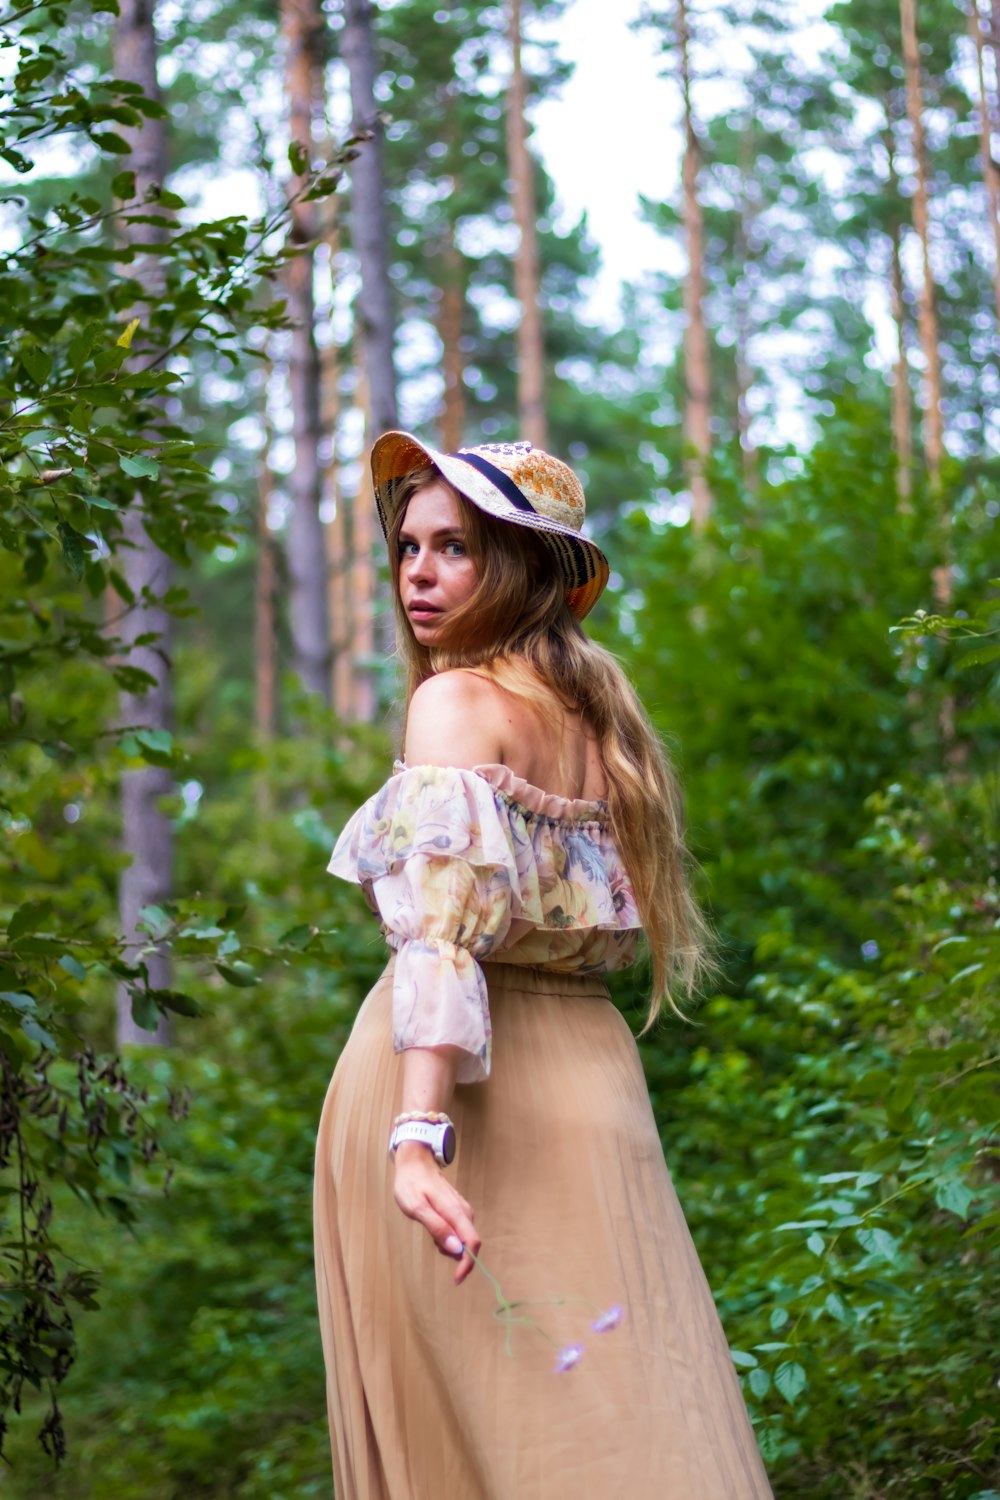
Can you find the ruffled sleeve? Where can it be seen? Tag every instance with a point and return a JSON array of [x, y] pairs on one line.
[[433, 854]]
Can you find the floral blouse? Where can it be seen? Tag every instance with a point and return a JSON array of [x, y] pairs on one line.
[[464, 867]]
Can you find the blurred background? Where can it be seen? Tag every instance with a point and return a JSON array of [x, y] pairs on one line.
[[739, 264]]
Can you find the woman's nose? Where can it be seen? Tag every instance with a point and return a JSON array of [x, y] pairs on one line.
[[421, 566]]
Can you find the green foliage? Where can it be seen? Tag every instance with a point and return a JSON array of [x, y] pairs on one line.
[[85, 414], [832, 1120]]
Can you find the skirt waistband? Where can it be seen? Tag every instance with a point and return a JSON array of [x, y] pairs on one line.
[[540, 981], [533, 979]]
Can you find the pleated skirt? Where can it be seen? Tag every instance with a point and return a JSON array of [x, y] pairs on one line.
[[431, 1395]]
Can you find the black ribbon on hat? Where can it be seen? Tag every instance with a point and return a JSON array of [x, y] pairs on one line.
[[496, 476]]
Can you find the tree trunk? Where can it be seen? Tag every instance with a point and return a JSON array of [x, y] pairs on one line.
[[991, 177], [926, 314], [451, 310], [527, 260], [744, 318], [305, 545], [902, 426], [363, 583], [375, 327], [697, 401], [265, 589], [147, 837], [369, 223], [335, 502]]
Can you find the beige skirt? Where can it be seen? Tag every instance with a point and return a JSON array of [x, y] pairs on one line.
[[431, 1396]]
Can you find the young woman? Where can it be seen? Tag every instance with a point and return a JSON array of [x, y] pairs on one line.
[[490, 1105]]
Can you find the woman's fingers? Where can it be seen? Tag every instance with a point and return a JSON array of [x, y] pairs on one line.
[[444, 1213]]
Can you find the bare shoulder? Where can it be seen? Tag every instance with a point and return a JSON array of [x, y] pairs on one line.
[[455, 719]]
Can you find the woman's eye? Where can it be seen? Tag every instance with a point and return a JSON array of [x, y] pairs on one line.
[[457, 548], [406, 549]]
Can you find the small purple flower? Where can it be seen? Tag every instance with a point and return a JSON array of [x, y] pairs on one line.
[[608, 1320], [568, 1357]]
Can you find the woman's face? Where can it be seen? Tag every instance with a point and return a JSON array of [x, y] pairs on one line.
[[436, 573]]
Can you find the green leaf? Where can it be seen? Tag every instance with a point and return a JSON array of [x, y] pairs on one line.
[[159, 741], [879, 1242], [790, 1378], [954, 1196], [156, 920], [835, 1306], [816, 1244], [239, 974], [73, 544], [37, 1033], [37, 362], [139, 466], [17, 1000], [72, 966], [145, 1012], [123, 184], [29, 917], [760, 1382], [108, 140], [744, 1360], [176, 1000], [298, 937]]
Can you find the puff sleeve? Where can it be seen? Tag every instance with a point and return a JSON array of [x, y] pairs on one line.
[[433, 854]]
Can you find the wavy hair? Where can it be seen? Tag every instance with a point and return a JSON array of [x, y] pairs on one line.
[[517, 629]]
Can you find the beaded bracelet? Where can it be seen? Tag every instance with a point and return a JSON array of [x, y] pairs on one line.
[[427, 1117]]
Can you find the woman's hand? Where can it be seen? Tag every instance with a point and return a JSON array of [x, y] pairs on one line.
[[424, 1193]]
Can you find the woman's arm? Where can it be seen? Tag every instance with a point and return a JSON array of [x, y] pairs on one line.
[[454, 719], [421, 1189]]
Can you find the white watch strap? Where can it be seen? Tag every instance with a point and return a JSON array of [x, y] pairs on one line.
[[431, 1136]]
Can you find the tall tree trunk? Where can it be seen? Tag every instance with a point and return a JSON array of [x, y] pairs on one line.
[[991, 176], [902, 425], [302, 25], [375, 327], [451, 310], [265, 592], [369, 223], [363, 583], [744, 320], [338, 535], [147, 837], [926, 313], [697, 380], [527, 260]]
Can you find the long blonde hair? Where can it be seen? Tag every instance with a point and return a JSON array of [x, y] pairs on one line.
[[518, 629]]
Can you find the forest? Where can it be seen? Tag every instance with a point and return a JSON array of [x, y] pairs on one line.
[[236, 242]]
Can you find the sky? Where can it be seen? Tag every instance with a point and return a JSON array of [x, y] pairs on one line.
[[610, 136]]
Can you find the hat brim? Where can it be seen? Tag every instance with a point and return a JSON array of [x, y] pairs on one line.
[[584, 568]]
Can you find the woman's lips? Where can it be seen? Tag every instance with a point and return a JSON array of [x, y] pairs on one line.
[[423, 611]]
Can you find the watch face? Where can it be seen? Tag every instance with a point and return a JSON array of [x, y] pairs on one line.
[[448, 1145]]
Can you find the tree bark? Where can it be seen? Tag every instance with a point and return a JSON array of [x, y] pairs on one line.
[[375, 326], [147, 837], [926, 313], [697, 378], [527, 260], [991, 176], [302, 25], [265, 589], [338, 534], [374, 314], [902, 424], [451, 310], [744, 319], [363, 583]]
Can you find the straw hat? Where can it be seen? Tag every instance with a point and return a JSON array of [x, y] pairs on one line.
[[513, 482]]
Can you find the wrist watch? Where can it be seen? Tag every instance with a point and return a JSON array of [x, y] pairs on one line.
[[439, 1138]]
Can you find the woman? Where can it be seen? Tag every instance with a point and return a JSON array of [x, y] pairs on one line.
[[513, 856]]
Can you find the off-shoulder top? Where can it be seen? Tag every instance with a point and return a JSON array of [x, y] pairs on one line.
[[465, 867]]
